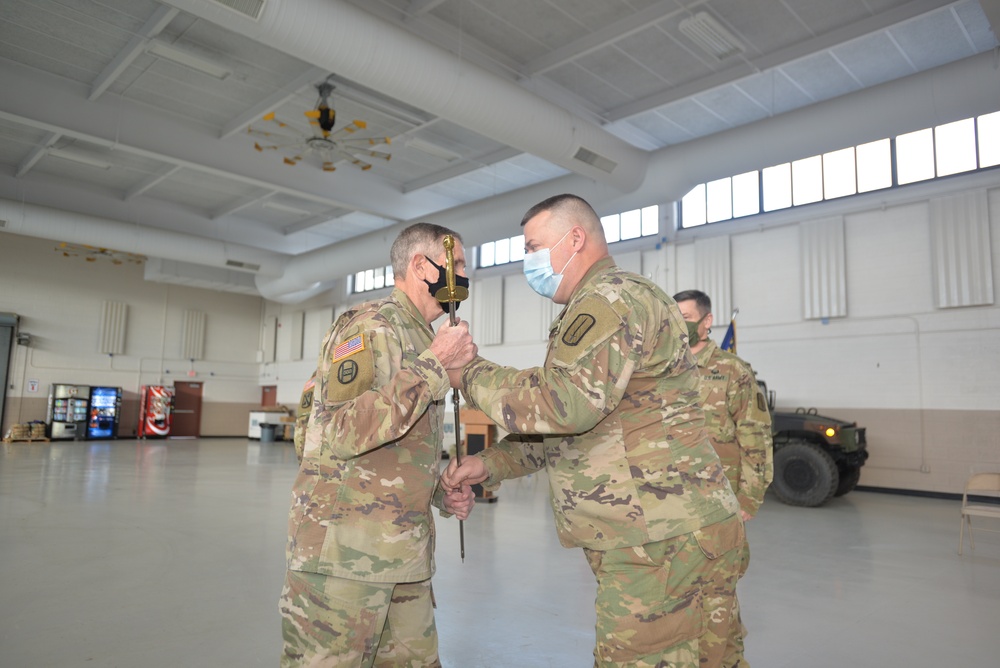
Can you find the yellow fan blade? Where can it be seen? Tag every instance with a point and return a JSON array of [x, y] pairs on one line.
[[269, 116], [360, 124], [289, 161], [328, 167], [312, 113]]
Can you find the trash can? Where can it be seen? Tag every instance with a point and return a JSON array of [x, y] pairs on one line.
[[266, 433]]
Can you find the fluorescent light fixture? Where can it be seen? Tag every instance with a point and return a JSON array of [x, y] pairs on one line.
[[710, 35], [76, 156], [186, 58], [284, 208]]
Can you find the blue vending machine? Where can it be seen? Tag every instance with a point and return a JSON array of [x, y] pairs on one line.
[[104, 411]]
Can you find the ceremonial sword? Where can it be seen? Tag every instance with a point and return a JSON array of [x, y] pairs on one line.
[[452, 294]]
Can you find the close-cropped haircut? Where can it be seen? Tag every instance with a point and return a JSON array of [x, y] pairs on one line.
[[569, 206], [701, 300], [417, 238]]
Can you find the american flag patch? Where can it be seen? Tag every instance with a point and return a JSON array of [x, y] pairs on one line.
[[348, 348]]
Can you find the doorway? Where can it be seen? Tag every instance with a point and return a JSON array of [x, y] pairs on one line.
[[187, 410], [269, 395]]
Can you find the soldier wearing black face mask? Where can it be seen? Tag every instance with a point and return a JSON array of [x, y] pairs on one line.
[[360, 552], [442, 283]]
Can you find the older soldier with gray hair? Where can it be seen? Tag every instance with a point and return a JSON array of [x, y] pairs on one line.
[[360, 531], [633, 478]]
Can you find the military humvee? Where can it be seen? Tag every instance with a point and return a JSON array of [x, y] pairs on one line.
[[815, 457]]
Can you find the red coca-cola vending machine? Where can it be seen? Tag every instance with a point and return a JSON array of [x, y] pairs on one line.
[[156, 403]]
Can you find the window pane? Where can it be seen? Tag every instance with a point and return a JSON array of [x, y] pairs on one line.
[[502, 251], [720, 200], [778, 187], [359, 281], [517, 248], [650, 221], [989, 139], [955, 147], [746, 194], [380, 278], [693, 207], [839, 177], [874, 163], [807, 180], [369, 279], [486, 256], [390, 278], [915, 156], [611, 229], [631, 224]]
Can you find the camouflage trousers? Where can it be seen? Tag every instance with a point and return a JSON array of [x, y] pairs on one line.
[[734, 657], [329, 621], [668, 604]]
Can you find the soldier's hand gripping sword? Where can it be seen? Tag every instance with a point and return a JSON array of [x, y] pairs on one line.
[[451, 294]]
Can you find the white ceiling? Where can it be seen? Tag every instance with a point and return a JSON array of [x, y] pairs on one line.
[[76, 75]]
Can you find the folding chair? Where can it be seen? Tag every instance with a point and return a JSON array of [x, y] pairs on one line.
[[979, 484]]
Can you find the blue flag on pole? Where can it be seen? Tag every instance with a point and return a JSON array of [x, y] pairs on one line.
[[729, 340]]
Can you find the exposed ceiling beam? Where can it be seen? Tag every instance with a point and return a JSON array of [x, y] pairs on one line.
[[992, 10], [36, 154], [446, 36], [418, 7], [272, 102], [308, 223], [241, 203], [160, 19], [153, 180], [609, 34], [461, 168], [124, 125], [781, 57]]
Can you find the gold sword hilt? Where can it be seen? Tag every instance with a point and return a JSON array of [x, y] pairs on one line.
[[451, 293]]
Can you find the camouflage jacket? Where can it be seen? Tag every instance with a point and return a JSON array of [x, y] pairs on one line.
[[361, 503], [624, 444], [738, 423]]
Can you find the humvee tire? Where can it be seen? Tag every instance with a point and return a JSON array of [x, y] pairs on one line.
[[804, 474]]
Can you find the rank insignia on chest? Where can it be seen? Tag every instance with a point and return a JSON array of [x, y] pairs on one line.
[[348, 348]]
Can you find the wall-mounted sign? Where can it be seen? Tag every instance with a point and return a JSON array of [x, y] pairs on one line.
[[32, 386]]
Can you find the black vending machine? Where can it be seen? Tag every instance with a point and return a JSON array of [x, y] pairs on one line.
[[104, 411]]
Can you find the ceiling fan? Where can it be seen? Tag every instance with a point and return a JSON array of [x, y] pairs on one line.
[[330, 145]]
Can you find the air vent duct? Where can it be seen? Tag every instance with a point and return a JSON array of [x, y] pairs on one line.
[[249, 8], [595, 160], [236, 264]]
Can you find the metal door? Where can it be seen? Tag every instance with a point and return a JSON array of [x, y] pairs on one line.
[[187, 410]]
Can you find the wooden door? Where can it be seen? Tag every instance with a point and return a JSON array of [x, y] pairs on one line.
[[187, 410], [269, 395]]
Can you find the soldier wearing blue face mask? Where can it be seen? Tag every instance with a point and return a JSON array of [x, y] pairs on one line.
[[614, 417], [539, 272]]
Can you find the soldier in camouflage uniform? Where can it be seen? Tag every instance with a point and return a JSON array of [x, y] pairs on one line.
[[633, 478], [738, 423], [360, 531]]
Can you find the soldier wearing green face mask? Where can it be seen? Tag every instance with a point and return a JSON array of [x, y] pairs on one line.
[[614, 418], [738, 422]]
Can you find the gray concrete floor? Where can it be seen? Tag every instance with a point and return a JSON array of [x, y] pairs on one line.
[[170, 553]]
